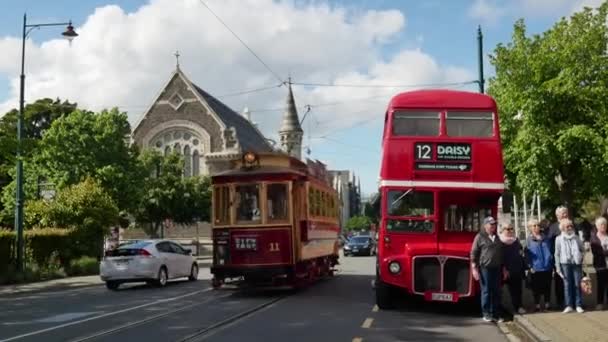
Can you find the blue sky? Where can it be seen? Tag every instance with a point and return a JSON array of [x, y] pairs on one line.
[[124, 56]]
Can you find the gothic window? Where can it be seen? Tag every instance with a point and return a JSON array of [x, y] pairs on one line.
[[177, 148], [195, 163], [167, 150], [187, 162]]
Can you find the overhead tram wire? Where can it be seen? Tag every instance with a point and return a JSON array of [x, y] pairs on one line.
[[383, 85], [244, 44]]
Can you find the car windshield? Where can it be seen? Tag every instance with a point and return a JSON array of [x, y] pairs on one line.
[[359, 239]]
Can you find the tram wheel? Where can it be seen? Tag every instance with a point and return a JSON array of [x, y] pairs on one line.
[[384, 295]]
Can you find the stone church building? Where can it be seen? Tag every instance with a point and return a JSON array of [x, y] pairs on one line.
[[186, 119]]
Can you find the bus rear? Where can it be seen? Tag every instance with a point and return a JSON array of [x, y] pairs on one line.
[[441, 174]]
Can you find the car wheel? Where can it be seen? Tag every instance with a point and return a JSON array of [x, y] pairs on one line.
[[112, 285], [162, 277], [193, 272]]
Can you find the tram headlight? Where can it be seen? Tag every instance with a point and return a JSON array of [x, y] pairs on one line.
[[394, 267]]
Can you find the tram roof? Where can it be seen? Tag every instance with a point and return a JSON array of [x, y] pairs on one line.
[[442, 98]]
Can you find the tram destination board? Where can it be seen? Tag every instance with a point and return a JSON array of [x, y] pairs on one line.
[[442, 151]]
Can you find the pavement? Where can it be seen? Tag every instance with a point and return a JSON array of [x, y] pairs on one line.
[[336, 309], [71, 282], [590, 326]]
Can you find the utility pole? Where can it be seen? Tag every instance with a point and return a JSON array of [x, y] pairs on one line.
[[481, 81]]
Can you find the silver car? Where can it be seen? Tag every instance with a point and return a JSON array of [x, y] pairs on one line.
[[152, 261]]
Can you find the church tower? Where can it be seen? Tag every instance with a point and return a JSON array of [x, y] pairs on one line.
[[291, 132]]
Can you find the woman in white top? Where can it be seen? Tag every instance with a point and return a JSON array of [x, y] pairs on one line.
[[569, 252]]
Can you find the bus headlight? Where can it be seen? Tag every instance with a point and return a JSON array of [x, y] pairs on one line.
[[394, 267]]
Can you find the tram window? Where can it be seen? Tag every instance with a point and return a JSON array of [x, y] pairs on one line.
[[469, 124], [277, 202], [464, 219], [416, 124], [248, 203], [409, 226], [222, 205], [324, 204], [410, 203]]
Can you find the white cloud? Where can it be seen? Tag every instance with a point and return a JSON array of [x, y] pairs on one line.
[[125, 58], [487, 11]]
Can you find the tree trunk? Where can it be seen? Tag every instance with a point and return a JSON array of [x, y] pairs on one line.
[[566, 196]]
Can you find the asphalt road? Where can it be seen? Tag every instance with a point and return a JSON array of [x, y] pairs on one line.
[[337, 309]]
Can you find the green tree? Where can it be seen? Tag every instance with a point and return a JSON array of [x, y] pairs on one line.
[[358, 223], [85, 144], [38, 117], [551, 90], [85, 208], [167, 195], [372, 208]]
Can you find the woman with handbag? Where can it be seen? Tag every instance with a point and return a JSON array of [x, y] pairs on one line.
[[540, 264]]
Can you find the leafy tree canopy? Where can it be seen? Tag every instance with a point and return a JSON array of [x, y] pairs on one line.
[[551, 91], [358, 223]]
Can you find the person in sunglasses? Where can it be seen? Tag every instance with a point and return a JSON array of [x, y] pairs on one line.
[[514, 264], [569, 253]]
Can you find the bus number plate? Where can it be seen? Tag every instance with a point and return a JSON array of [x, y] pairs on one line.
[[443, 297]]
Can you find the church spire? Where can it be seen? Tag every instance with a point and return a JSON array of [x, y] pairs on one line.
[[291, 132]]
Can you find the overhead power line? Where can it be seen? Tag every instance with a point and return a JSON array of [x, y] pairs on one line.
[[383, 85], [242, 42], [249, 91]]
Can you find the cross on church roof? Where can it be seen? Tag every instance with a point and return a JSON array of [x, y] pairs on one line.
[[176, 54]]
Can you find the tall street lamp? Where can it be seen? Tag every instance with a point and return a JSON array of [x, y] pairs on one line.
[[27, 28]]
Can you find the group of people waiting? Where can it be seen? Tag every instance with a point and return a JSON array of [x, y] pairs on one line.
[[552, 254]]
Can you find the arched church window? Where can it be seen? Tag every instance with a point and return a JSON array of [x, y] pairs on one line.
[[177, 148], [167, 150], [195, 163], [187, 161]]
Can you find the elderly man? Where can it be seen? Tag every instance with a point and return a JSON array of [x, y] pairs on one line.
[[487, 268], [552, 233]]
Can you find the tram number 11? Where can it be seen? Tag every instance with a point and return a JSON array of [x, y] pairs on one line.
[[274, 247]]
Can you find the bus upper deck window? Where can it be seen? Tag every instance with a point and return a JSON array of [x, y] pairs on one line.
[[469, 124], [415, 123]]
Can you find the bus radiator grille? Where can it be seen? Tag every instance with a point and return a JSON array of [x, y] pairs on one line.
[[427, 274], [456, 276]]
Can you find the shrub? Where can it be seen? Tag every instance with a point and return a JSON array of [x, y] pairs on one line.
[[7, 241], [83, 266], [44, 243]]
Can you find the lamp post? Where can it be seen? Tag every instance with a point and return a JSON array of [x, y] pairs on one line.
[[27, 28]]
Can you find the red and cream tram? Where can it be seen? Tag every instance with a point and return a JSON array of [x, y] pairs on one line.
[[441, 174], [275, 222]]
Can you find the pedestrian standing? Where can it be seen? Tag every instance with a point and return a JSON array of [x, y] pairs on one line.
[[514, 265], [599, 248], [552, 233], [487, 268], [569, 254], [540, 264]]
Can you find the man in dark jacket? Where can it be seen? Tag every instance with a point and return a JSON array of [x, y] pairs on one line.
[[487, 268]]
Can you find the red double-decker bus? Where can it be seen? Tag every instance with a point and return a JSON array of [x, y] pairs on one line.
[[441, 174]]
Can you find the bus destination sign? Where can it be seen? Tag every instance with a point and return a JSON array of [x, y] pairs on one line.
[[443, 156]]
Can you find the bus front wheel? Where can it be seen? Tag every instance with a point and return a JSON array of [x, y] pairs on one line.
[[383, 295]]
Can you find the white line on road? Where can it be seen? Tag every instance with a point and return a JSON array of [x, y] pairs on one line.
[[37, 332], [357, 339], [366, 324], [375, 308]]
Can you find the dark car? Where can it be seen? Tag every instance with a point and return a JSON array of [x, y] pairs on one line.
[[360, 245]]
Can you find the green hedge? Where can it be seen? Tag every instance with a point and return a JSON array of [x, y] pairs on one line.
[[83, 266], [7, 240], [43, 244]]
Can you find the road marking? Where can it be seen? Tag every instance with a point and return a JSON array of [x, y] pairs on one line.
[[70, 316], [375, 308], [37, 332], [366, 324], [357, 339]]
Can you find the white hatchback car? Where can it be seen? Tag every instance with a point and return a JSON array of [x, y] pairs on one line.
[[152, 261]]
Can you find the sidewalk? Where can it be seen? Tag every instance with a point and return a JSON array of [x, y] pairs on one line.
[[71, 282], [573, 327]]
